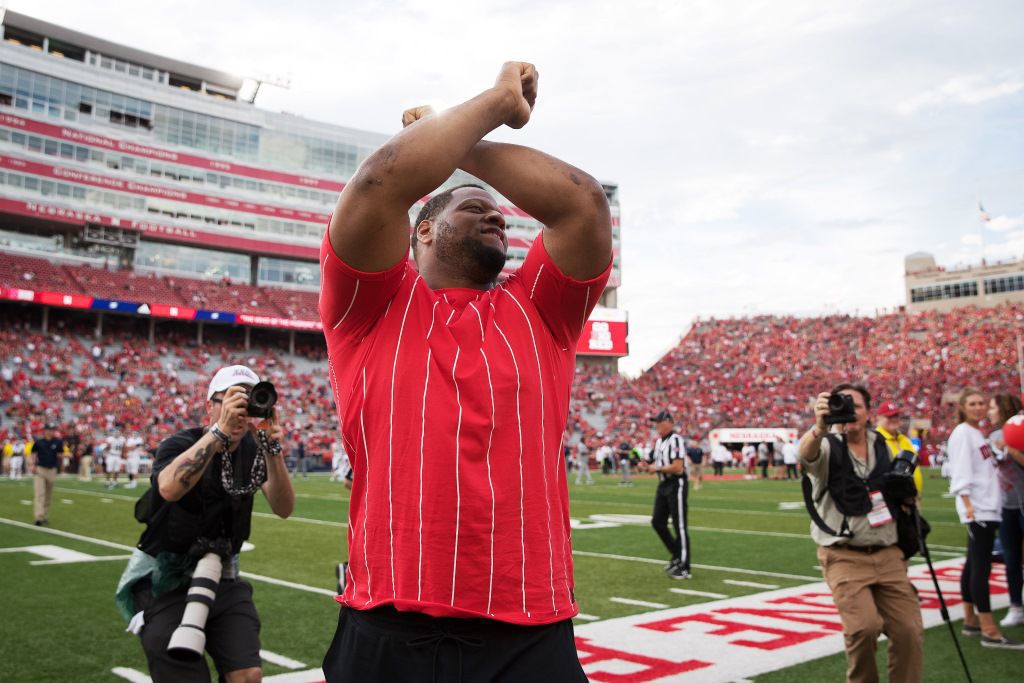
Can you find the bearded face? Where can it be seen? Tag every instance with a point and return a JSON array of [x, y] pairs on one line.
[[479, 256]]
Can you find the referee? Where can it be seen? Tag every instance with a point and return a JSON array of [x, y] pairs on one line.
[[668, 460]]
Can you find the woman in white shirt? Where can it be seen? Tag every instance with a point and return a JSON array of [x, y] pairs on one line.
[[975, 484]]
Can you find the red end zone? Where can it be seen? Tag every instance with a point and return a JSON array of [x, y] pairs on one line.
[[733, 639]]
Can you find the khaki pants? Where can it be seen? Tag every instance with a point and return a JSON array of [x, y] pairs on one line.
[[43, 484], [85, 468], [874, 596]]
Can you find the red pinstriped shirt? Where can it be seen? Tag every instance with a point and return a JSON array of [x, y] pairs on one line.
[[453, 405]]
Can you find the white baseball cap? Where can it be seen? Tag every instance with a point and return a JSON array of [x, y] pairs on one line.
[[229, 377]]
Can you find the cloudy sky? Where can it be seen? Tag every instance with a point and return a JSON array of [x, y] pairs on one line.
[[772, 157]]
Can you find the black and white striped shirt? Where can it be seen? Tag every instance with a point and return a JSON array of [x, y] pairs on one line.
[[667, 450]]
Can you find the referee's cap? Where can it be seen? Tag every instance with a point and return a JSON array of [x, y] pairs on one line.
[[229, 377], [662, 416]]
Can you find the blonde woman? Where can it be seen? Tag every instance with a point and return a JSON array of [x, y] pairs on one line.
[[975, 484]]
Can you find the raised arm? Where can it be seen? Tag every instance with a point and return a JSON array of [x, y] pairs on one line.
[[570, 203], [370, 226]]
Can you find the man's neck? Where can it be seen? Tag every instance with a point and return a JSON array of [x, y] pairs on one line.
[[437, 276]]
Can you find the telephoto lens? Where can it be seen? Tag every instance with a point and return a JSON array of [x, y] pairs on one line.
[[189, 640]]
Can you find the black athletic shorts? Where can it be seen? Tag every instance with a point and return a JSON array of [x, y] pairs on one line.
[[232, 633], [384, 645]]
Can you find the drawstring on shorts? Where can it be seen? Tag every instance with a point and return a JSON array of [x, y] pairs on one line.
[[439, 637]]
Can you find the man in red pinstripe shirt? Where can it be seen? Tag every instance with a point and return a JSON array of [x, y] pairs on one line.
[[453, 393]]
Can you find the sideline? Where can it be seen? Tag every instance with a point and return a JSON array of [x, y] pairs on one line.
[[256, 513], [110, 544]]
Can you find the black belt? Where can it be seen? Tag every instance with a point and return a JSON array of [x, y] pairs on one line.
[[866, 549]]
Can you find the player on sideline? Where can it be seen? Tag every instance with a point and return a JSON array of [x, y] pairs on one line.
[[453, 392]]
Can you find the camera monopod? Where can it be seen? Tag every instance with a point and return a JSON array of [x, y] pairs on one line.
[[938, 591], [189, 640]]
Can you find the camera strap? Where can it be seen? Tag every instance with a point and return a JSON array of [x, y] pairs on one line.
[[849, 491], [812, 510]]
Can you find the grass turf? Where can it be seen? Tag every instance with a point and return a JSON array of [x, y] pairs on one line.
[[59, 622]]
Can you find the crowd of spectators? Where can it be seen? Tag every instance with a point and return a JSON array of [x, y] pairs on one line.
[[763, 371], [751, 372]]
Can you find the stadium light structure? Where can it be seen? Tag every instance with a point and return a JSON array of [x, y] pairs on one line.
[[283, 82]]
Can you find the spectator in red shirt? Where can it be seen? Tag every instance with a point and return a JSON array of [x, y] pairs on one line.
[[452, 392]]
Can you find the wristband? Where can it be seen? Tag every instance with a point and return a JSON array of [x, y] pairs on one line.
[[224, 439]]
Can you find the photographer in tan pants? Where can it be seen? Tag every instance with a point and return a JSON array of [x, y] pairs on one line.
[[862, 564]]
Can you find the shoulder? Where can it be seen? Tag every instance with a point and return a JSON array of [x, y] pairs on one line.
[[180, 441]]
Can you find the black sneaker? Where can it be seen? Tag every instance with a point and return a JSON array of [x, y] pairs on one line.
[[679, 573], [672, 564], [1001, 643], [969, 630]]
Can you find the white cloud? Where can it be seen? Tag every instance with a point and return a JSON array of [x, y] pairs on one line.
[[966, 90], [772, 157], [970, 240], [1005, 223]]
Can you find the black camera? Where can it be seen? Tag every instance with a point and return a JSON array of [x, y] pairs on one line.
[[840, 409], [262, 398], [899, 480]]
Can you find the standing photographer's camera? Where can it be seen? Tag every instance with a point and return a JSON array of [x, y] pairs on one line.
[[841, 409], [262, 398]]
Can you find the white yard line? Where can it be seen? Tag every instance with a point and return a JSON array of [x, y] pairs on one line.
[[66, 534], [638, 603], [104, 558], [586, 617], [709, 567], [108, 495], [748, 532], [280, 660], [118, 546], [304, 520], [131, 675], [699, 594], [750, 584]]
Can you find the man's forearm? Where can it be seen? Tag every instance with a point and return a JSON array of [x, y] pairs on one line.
[[547, 188], [278, 487], [185, 471], [422, 156], [810, 445], [570, 203]]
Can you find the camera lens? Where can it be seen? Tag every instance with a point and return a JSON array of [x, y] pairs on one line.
[[262, 398]]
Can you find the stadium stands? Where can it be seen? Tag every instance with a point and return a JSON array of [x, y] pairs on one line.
[[295, 304], [223, 295], [754, 372], [123, 285], [38, 274]]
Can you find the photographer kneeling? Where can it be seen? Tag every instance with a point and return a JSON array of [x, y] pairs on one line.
[[862, 563], [182, 591]]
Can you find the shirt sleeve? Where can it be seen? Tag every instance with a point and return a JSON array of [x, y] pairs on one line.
[[960, 463], [677, 449], [351, 301], [819, 467], [563, 303], [169, 449]]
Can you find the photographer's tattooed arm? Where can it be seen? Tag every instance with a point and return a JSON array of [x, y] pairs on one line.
[[227, 412], [187, 469]]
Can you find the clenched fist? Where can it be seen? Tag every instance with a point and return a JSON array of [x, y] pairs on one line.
[[414, 114], [519, 78]]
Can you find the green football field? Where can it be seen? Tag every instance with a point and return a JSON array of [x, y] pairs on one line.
[[59, 622]]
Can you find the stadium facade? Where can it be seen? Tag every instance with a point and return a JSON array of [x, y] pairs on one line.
[[135, 184], [930, 287]]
